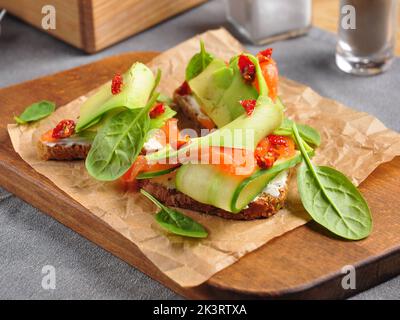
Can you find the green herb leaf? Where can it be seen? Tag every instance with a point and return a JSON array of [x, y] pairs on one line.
[[36, 111], [176, 222], [119, 142], [307, 133], [198, 63], [331, 199]]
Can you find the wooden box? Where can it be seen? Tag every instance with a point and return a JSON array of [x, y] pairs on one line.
[[93, 25]]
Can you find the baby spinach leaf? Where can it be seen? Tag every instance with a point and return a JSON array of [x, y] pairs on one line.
[[176, 222], [307, 133], [119, 142], [35, 112], [331, 199], [198, 63]]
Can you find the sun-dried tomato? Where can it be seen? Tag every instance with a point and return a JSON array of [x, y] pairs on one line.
[[265, 162], [64, 129], [248, 105], [157, 110], [184, 89], [116, 84], [266, 54], [272, 148], [264, 155], [247, 68], [278, 140]]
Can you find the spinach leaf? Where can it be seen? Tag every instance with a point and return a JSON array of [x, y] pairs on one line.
[[36, 111], [119, 142], [198, 63], [307, 133], [331, 199], [176, 222]]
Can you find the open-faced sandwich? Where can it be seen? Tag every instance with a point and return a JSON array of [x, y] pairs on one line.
[[234, 160]]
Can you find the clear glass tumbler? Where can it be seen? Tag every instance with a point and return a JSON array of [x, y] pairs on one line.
[[264, 21], [367, 36]]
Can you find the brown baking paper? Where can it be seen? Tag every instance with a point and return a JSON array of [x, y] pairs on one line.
[[353, 142]]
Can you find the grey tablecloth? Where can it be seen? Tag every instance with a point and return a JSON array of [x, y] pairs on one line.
[[30, 240]]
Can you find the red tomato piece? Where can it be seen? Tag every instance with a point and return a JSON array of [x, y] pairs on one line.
[[116, 84], [184, 89], [248, 105], [272, 148], [247, 68], [157, 110], [64, 129]]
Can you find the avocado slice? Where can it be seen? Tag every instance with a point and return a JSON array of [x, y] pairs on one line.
[[219, 88], [136, 89]]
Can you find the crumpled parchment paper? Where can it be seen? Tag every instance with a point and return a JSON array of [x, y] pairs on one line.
[[353, 142]]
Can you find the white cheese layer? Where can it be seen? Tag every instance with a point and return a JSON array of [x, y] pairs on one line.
[[68, 142], [196, 108], [274, 186], [152, 145], [195, 105]]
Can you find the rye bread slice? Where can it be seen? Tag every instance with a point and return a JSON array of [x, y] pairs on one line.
[[61, 151], [264, 206]]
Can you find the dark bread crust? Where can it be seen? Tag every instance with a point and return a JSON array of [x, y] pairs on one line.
[[57, 151], [264, 206]]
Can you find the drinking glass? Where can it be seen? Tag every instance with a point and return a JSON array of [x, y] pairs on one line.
[[367, 36]]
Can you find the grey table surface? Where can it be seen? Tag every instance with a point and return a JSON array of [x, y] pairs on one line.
[[30, 240]]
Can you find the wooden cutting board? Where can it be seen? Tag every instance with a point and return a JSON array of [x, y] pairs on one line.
[[304, 263]]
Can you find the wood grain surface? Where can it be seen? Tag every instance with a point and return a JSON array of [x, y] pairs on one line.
[[106, 22], [93, 25], [68, 22], [304, 263], [326, 16]]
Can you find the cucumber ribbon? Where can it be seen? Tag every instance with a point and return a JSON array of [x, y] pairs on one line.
[[207, 183]]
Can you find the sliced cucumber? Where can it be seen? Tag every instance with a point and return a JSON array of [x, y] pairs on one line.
[[207, 184], [137, 85], [253, 185], [219, 88], [245, 132]]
